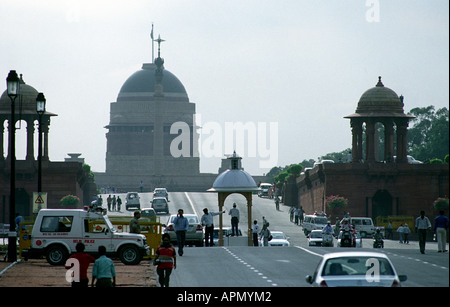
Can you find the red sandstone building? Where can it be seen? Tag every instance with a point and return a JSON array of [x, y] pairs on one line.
[[58, 178], [375, 186]]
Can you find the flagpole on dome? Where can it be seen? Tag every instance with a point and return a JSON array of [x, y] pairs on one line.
[[153, 45]]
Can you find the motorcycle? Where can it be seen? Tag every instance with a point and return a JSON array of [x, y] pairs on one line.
[[378, 243], [327, 239], [346, 238]]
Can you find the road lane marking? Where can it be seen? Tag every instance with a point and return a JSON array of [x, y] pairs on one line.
[[251, 267], [308, 251], [191, 203]]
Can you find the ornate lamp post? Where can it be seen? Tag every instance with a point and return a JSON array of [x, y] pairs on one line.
[[12, 85], [40, 109]]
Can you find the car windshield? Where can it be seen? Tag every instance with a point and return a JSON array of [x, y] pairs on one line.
[[278, 235], [320, 220], [192, 219], [159, 201], [132, 196], [357, 266], [315, 234]]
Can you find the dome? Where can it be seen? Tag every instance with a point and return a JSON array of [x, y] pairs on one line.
[[142, 84], [235, 180], [379, 101]]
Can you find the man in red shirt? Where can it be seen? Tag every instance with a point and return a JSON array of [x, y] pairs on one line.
[[166, 260], [83, 264]]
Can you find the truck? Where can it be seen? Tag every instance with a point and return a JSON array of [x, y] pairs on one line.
[[56, 232]]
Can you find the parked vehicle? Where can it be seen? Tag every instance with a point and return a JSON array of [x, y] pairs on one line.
[[132, 201], [193, 236], [264, 189], [350, 269], [56, 232]]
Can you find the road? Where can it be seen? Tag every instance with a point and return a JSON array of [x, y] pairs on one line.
[[241, 266]]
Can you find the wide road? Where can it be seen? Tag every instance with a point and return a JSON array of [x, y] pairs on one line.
[[242, 266]]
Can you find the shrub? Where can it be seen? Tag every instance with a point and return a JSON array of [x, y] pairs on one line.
[[70, 200], [336, 201]]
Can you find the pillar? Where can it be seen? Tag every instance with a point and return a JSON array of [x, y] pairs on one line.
[[30, 140], [2, 131], [388, 140], [370, 140], [356, 140], [402, 129]]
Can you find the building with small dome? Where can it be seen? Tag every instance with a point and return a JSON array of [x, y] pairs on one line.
[[378, 181], [58, 178]]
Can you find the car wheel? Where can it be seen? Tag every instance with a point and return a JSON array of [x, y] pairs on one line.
[[129, 255], [57, 255]]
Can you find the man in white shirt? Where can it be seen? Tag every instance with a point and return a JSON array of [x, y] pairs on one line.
[[234, 220], [255, 231], [208, 221], [422, 226]]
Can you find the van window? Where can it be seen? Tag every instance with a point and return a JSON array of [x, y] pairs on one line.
[[56, 224]]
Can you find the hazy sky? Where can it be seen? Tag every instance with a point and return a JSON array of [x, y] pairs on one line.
[[301, 64]]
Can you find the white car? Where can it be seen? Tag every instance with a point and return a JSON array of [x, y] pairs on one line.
[[355, 269], [315, 238], [278, 239]]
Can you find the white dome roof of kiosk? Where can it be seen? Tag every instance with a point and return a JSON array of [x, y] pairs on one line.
[[234, 179]]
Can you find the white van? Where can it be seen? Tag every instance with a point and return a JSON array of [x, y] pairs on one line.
[[363, 225], [313, 222]]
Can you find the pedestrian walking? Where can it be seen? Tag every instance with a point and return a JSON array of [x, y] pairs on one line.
[[265, 235], [255, 231], [207, 220], [400, 233], [181, 226], [422, 226], [83, 264], [103, 270], [296, 212], [291, 214], [109, 201], [234, 220], [119, 203], [165, 260], [301, 214], [134, 223], [114, 201], [406, 232], [440, 228]]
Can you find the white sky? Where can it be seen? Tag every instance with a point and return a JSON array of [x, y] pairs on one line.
[[300, 63]]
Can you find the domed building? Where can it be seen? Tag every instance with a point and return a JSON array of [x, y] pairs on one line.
[[377, 184], [58, 179], [151, 135]]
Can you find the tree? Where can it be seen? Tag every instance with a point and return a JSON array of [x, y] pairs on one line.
[[428, 136]]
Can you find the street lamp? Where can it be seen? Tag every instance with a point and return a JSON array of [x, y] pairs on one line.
[[12, 85], [40, 109]]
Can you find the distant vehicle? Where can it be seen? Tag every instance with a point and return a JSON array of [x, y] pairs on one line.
[[278, 239], [359, 242], [161, 192], [226, 233], [322, 162], [264, 189], [351, 269], [315, 238], [132, 201], [193, 236], [159, 204], [363, 225], [312, 222], [411, 160], [148, 213]]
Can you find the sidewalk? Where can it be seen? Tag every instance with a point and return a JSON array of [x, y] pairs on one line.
[[38, 273]]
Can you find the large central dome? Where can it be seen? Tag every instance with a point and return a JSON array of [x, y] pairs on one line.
[[141, 84]]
